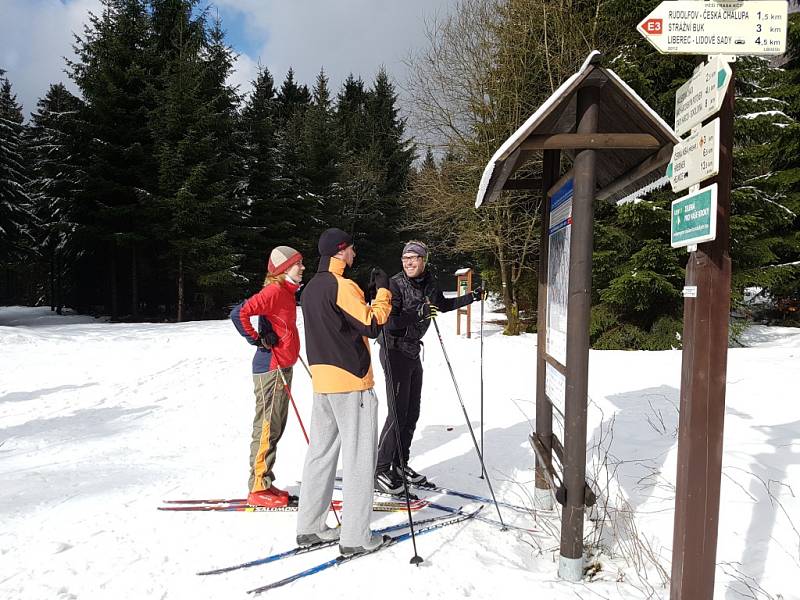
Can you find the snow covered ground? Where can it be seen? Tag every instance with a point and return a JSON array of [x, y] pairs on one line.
[[100, 422]]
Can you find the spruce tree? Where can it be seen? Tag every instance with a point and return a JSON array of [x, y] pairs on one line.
[[764, 209], [57, 176], [429, 162], [193, 129], [293, 98], [15, 206], [393, 151], [257, 200], [113, 72], [294, 208], [391, 155], [765, 227], [356, 193], [322, 154], [351, 114], [376, 163]]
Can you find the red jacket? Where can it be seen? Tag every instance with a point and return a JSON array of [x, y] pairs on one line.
[[275, 302]]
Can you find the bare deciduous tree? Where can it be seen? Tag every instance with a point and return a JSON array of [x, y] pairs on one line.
[[487, 67]]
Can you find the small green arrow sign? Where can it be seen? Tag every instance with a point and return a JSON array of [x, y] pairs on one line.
[[721, 75]]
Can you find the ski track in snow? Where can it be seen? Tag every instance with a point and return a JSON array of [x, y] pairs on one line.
[[99, 422]]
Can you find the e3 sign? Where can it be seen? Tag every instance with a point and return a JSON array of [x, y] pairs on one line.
[[653, 26]]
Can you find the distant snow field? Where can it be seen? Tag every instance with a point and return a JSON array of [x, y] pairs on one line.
[[100, 422]]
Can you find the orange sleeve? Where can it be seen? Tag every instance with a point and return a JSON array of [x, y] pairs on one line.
[[365, 319]]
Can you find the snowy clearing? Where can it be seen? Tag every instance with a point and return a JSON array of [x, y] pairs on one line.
[[101, 422]]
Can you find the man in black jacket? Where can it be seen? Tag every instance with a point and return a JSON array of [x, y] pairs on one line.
[[416, 298]]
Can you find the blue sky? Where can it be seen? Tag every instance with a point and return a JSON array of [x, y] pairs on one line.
[[242, 37], [341, 36]]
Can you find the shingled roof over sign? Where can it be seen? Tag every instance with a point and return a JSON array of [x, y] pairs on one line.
[[620, 172]]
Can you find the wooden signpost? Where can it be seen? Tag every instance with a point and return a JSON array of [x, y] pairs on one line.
[[700, 222]]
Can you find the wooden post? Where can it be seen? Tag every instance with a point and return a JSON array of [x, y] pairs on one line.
[[468, 310], [543, 497], [570, 565], [463, 287], [702, 400]]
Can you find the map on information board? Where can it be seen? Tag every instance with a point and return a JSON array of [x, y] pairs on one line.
[[560, 227], [555, 388]]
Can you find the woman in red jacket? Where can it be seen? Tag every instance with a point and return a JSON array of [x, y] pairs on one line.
[[277, 347]]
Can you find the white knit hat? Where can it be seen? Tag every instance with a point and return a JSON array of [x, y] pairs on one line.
[[281, 258]]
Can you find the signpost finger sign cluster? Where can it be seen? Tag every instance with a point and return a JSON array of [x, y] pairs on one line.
[[722, 29], [753, 27]]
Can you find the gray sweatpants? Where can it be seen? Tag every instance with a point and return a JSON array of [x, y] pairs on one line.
[[348, 421]]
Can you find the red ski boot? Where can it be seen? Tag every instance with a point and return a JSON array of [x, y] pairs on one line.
[[267, 499], [278, 491]]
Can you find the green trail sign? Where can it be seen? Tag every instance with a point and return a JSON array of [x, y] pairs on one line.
[[694, 218]]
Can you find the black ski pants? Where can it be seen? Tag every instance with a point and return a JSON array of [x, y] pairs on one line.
[[406, 378]]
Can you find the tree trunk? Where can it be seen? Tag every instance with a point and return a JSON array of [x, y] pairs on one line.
[[134, 283], [180, 288], [59, 292], [112, 260], [52, 281], [512, 313], [514, 325]]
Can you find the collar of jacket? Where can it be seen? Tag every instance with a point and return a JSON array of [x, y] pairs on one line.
[[420, 281], [332, 264], [292, 287]]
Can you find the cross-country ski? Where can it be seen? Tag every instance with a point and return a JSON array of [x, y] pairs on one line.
[[339, 560], [379, 506], [318, 546], [432, 487]]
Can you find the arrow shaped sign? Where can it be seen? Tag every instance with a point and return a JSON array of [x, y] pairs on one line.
[[696, 158], [751, 27], [701, 96]]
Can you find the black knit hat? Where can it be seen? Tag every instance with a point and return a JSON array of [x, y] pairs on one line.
[[332, 241]]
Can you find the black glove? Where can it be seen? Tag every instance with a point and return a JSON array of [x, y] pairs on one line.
[[268, 340], [371, 291], [428, 311], [379, 278], [479, 294]]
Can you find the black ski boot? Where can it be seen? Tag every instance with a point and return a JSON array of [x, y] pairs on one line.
[[413, 477], [389, 482]]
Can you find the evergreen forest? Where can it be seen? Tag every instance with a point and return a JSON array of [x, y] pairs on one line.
[[157, 192]]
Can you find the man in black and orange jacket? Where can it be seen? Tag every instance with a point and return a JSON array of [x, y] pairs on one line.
[[338, 323]]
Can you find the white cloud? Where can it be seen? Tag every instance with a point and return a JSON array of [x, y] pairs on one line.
[[244, 73], [35, 36], [344, 36]]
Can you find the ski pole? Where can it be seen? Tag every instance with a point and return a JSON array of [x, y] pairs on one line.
[[483, 293], [302, 427], [294, 406], [469, 425], [416, 559], [305, 366]]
